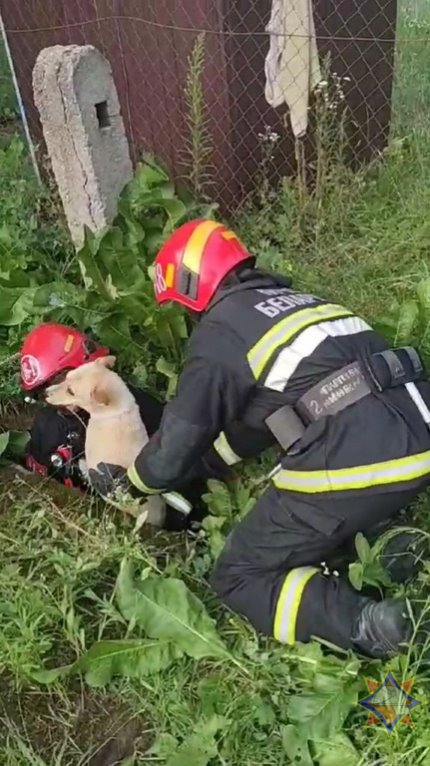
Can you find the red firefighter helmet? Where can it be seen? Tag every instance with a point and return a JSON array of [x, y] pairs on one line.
[[52, 348], [193, 262]]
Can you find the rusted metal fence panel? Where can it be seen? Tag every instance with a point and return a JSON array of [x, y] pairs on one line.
[[148, 43]]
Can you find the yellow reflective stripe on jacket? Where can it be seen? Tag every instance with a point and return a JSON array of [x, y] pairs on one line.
[[289, 602], [137, 481], [283, 331], [360, 477], [174, 499], [226, 453]]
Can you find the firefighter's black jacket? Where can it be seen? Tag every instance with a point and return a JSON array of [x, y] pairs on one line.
[[217, 390]]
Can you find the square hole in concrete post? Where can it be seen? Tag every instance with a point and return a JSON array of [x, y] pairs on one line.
[[102, 113]]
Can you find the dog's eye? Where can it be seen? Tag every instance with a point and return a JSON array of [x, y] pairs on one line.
[[70, 392]]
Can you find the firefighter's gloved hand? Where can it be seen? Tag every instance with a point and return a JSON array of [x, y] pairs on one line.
[[107, 478]]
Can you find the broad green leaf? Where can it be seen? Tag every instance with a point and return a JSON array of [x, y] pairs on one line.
[[93, 271], [4, 441], [423, 293], [166, 332], [339, 751], [166, 609], [129, 658], [174, 208], [148, 174], [387, 326], [167, 190], [16, 277], [48, 677], [114, 331], [169, 370], [57, 295], [213, 523], [135, 232], [325, 672], [218, 499], [374, 573], [17, 443], [153, 243], [16, 305], [177, 322], [355, 574], [296, 746], [362, 547], [200, 747], [321, 716], [166, 368], [407, 321], [164, 746], [263, 711]]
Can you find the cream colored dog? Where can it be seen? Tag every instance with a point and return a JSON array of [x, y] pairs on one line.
[[115, 432]]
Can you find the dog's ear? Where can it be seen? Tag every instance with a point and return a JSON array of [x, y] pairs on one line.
[[100, 396], [106, 361]]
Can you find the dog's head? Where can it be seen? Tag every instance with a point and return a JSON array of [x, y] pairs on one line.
[[91, 387]]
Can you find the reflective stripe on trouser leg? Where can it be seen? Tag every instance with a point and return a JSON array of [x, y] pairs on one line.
[[289, 603], [226, 453]]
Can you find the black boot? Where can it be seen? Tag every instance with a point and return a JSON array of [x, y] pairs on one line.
[[402, 555], [382, 629]]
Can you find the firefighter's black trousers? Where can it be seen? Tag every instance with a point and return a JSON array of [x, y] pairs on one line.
[[270, 568]]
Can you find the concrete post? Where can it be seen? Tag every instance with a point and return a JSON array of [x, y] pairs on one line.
[[84, 133]]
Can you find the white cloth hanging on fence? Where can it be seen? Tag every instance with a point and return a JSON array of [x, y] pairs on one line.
[[292, 67]]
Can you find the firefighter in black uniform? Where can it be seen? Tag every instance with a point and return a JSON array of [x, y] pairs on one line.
[[269, 365]]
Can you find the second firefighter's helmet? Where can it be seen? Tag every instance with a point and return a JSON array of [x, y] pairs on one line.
[[193, 262]]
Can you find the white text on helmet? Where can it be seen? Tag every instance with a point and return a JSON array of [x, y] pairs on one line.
[[159, 281]]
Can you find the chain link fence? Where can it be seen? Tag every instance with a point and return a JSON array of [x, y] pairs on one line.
[[213, 87]]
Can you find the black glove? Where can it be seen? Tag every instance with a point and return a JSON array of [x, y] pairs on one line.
[[106, 478]]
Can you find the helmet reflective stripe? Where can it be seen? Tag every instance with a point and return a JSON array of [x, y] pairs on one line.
[[196, 244], [69, 343], [304, 346], [170, 275], [360, 477], [283, 331], [289, 603]]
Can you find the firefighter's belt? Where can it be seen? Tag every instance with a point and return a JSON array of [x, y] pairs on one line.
[[340, 389]]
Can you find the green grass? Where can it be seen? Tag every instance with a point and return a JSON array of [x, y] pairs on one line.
[[8, 104], [365, 244]]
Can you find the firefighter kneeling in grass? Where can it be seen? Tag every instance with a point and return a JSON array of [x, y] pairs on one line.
[[269, 365]]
